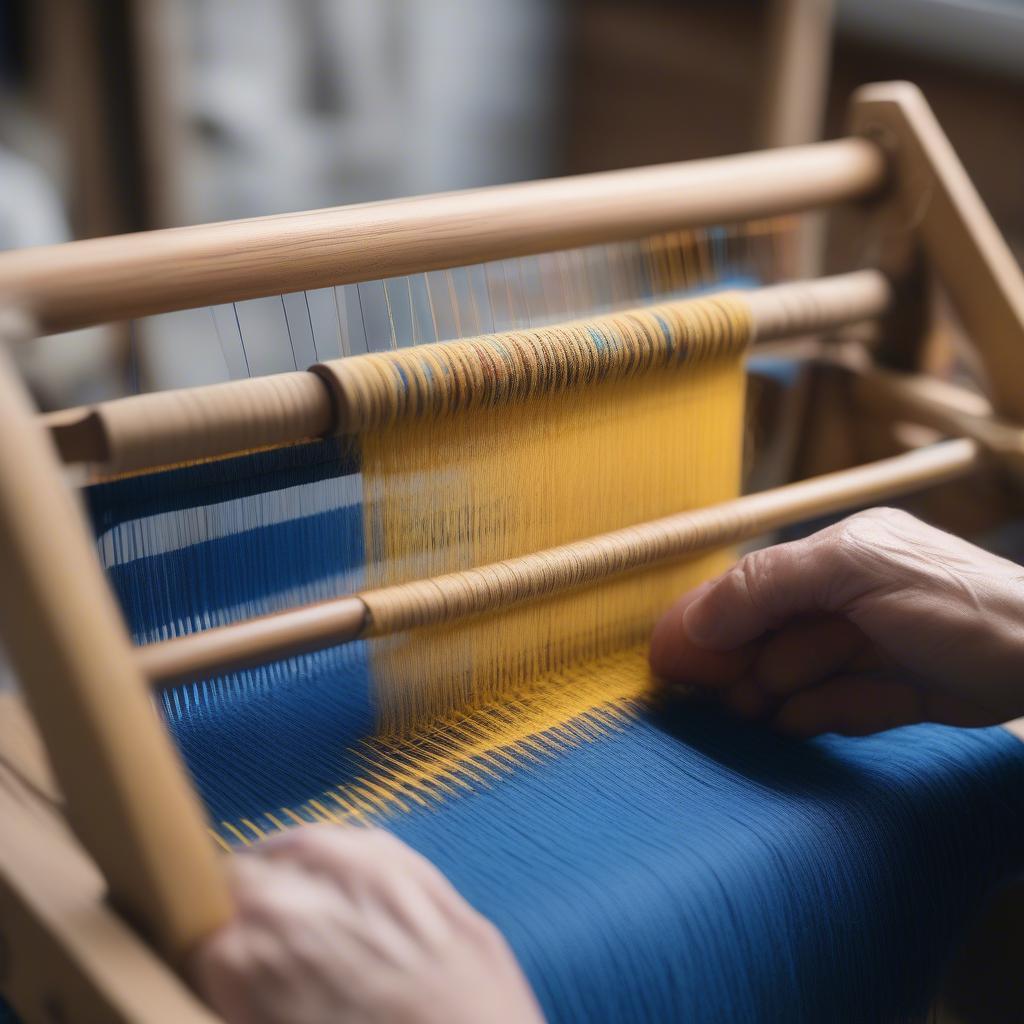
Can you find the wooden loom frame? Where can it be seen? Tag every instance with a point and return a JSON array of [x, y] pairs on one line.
[[139, 834]]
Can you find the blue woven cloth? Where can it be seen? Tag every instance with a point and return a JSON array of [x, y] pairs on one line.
[[684, 866]]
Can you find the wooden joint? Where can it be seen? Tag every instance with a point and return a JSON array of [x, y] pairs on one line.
[[935, 206]]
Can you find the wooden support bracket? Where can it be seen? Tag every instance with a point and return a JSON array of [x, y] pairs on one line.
[[932, 200]]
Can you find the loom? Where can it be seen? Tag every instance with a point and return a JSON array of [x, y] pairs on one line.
[[412, 587]]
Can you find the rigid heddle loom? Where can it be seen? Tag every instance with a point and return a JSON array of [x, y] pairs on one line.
[[412, 586]]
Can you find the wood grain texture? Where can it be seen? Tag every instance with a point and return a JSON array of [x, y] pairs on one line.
[[127, 793], [97, 280], [22, 751], [935, 202], [528, 577], [66, 954]]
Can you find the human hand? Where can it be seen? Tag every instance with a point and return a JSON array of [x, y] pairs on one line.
[[875, 622], [341, 924]]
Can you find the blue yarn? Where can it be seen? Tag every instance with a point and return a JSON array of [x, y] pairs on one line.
[[273, 736], [258, 739], [697, 868], [135, 497], [248, 573], [688, 866]]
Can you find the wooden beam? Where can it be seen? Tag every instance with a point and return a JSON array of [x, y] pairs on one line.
[[98, 280], [933, 200], [127, 793], [65, 954]]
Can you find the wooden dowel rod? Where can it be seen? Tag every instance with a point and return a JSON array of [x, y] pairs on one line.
[[127, 794], [168, 427], [87, 282], [253, 641], [935, 403], [502, 584]]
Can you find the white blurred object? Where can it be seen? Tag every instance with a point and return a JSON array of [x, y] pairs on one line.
[[296, 104], [72, 368], [31, 211]]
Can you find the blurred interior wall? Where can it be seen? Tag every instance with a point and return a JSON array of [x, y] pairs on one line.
[[296, 104], [652, 81], [135, 114], [160, 112]]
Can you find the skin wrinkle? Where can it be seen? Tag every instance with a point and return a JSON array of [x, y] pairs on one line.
[[941, 624], [899, 553], [302, 948]]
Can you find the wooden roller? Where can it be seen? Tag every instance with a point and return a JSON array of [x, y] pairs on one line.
[[147, 431], [168, 427], [97, 280], [503, 584]]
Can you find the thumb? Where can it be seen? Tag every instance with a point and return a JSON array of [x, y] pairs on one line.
[[768, 587]]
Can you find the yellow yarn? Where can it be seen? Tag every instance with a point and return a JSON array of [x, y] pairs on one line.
[[634, 417], [467, 482]]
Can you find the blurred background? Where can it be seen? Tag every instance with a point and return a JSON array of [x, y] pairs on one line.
[[125, 115]]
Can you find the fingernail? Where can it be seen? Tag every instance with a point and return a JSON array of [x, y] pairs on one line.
[[700, 627]]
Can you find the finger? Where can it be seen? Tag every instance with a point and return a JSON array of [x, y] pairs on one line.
[[375, 869], [749, 700], [807, 651], [220, 970], [675, 658], [947, 709], [768, 587], [851, 705]]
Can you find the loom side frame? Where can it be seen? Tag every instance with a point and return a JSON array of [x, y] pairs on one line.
[[126, 791], [934, 202], [65, 953]]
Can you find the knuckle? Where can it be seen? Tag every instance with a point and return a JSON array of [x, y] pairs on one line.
[[871, 529], [752, 577], [482, 929], [226, 954], [309, 839], [854, 530], [872, 522], [893, 520]]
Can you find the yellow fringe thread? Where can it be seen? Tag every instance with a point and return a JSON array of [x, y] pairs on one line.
[[472, 747]]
